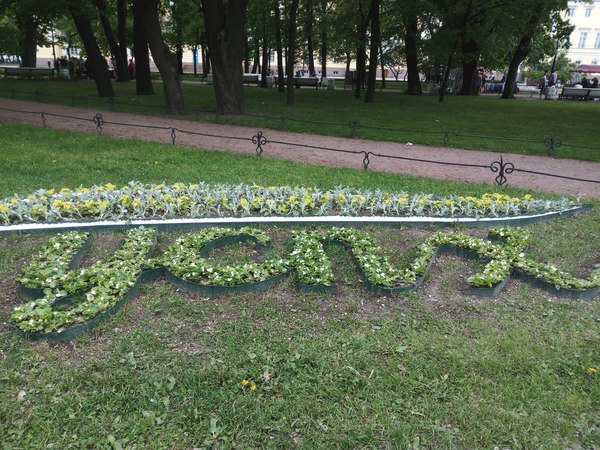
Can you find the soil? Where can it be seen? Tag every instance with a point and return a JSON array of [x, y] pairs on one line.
[[312, 148]]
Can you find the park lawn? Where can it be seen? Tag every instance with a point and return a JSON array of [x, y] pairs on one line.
[[432, 369], [485, 122]]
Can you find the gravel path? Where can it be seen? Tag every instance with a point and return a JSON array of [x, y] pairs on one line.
[[278, 146]]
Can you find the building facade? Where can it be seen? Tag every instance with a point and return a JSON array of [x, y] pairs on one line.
[[585, 39]]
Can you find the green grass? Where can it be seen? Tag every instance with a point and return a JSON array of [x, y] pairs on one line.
[[432, 369], [70, 160], [487, 122]]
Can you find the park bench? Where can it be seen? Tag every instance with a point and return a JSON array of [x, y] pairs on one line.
[[28, 72], [250, 78], [306, 81], [573, 93]]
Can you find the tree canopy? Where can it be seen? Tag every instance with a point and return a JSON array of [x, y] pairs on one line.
[[412, 39]]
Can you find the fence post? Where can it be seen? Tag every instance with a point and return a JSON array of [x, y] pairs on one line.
[[259, 140], [173, 135], [98, 121], [552, 144], [502, 168], [366, 160]]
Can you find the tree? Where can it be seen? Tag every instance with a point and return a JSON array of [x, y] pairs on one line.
[[290, 54], [363, 17], [225, 23], [117, 54], [374, 49], [163, 58], [541, 16], [95, 62], [143, 77]]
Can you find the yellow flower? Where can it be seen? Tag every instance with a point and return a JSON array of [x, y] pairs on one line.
[[110, 186], [591, 370], [4, 208], [253, 387], [245, 382], [37, 210]]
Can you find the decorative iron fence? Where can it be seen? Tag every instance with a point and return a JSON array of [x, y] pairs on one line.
[[500, 167]]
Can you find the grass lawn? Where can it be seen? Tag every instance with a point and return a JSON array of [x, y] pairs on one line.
[[486, 122], [432, 369]]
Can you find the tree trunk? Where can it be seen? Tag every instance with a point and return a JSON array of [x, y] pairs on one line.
[[246, 54], [143, 78], [27, 40], [309, 37], [265, 57], [120, 62], [205, 55], [278, 39], [163, 58], [323, 40], [225, 26], [518, 57], [383, 73], [95, 58], [256, 62], [410, 48], [469, 85], [361, 50], [470, 49], [122, 27], [460, 32], [179, 56], [373, 50], [291, 52]]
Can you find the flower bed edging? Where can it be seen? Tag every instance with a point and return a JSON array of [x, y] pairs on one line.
[[185, 268]]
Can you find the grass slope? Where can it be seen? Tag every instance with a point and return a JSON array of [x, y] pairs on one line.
[[432, 369]]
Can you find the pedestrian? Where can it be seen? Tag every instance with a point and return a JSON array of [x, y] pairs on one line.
[[131, 67]]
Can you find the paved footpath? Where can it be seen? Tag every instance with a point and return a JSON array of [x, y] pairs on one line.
[[310, 148]]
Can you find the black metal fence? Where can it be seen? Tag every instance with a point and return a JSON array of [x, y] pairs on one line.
[[499, 167], [550, 144]]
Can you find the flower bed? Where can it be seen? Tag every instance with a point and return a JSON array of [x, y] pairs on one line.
[[80, 297], [137, 201]]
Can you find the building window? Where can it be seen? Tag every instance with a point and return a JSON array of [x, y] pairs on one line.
[[594, 62], [335, 72], [597, 44], [582, 39], [570, 12], [578, 62], [588, 12]]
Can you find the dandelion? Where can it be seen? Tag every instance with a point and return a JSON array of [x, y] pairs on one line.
[[245, 382], [253, 387], [591, 370]]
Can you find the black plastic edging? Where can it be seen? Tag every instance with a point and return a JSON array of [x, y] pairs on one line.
[[76, 330], [30, 293], [211, 290]]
